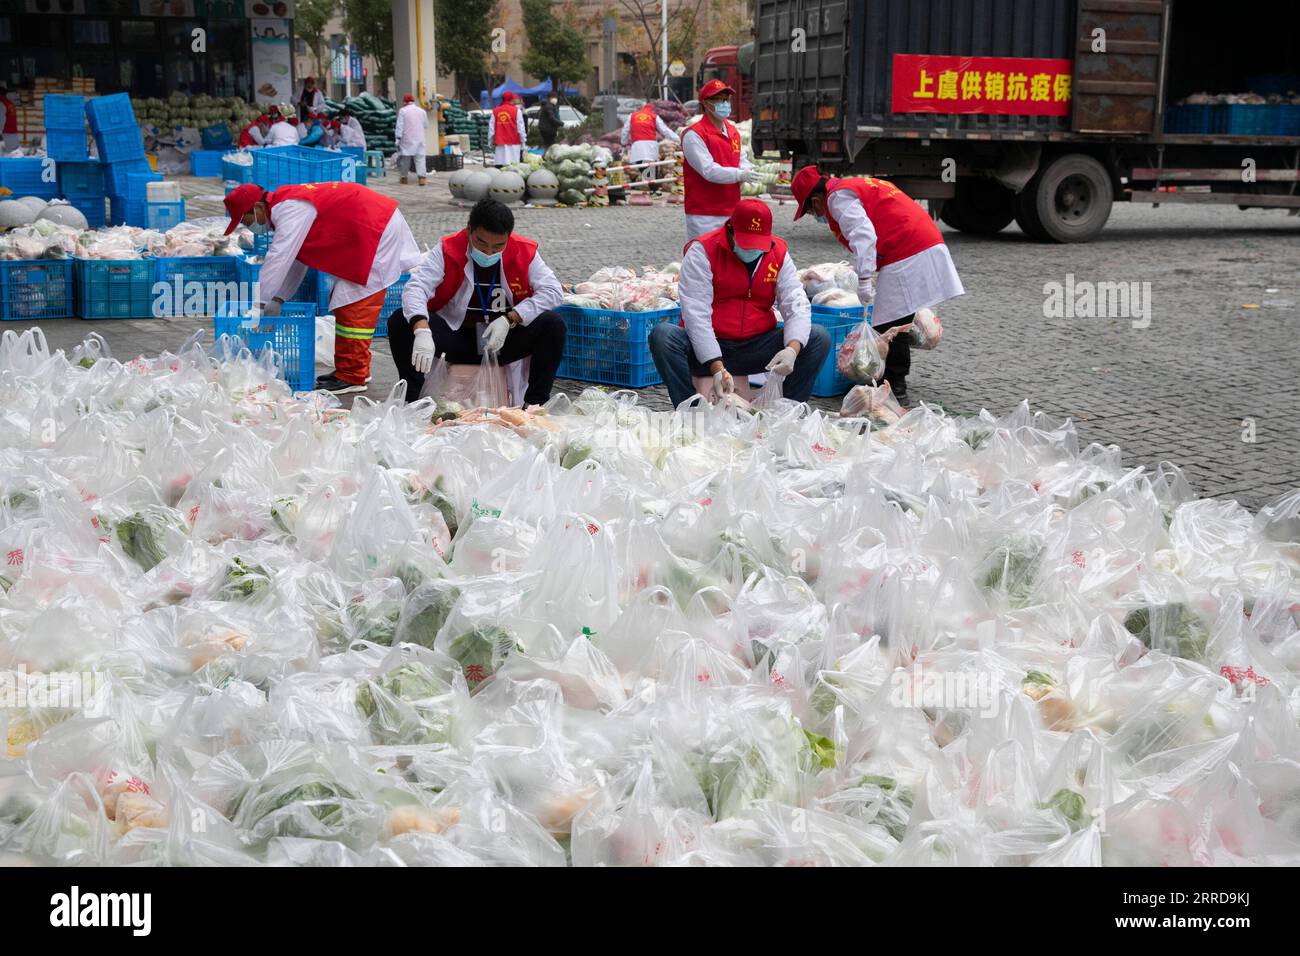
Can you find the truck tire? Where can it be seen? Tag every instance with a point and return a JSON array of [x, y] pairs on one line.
[[979, 206], [1025, 212], [1071, 199]]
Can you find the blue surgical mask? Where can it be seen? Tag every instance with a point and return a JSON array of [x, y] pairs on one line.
[[722, 110], [747, 255], [483, 259], [260, 228]]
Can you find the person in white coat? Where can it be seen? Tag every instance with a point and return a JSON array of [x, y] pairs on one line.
[[508, 140], [412, 121], [281, 133], [642, 131], [352, 135], [902, 262], [715, 162], [310, 100]]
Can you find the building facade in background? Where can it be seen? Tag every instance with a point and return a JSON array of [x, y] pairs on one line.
[[336, 61]]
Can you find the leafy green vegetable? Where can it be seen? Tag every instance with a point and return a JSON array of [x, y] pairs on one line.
[[284, 512], [481, 651], [895, 808], [403, 706], [577, 451], [1173, 628], [976, 437], [87, 362], [426, 611], [244, 580], [823, 749], [142, 536], [444, 410], [376, 622], [1070, 804], [1038, 677], [1012, 567]]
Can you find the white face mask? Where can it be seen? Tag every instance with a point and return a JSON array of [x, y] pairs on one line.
[[722, 110]]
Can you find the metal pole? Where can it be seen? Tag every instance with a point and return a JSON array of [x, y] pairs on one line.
[[663, 54], [347, 66]]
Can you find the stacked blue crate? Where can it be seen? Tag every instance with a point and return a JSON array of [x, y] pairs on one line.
[[29, 176], [116, 131], [82, 184], [65, 128]]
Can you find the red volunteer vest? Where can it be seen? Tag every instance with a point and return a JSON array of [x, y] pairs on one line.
[[344, 238], [742, 307], [645, 125], [246, 135], [515, 260], [704, 198], [11, 115], [506, 117], [902, 227]]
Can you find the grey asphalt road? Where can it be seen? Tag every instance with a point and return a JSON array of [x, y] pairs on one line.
[[1208, 377]]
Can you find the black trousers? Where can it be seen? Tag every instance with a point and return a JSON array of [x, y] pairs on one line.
[[548, 136], [899, 360], [542, 340]]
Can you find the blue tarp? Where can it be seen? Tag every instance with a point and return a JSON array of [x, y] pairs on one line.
[[541, 89]]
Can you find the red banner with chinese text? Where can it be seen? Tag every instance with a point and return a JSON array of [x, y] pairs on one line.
[[1023, 86]]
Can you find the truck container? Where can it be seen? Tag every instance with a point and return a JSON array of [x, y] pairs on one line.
[[1041, 111]]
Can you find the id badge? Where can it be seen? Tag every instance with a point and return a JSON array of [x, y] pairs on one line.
[[480, 332]]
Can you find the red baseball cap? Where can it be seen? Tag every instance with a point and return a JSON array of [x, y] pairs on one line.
[[802, 184], [751, 224], [408, 98], [264, 119], [240, 200], [713, 88]]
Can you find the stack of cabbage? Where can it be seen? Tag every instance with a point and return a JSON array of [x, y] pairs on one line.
[[196, 112], [236, 627], [573, 166]]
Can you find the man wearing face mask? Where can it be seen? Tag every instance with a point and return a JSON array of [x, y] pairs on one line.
[[549, 123], [884, 229], [730, 280], [485, 284], [341, 229], [715, 164]]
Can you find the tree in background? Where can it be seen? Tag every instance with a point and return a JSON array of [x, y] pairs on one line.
[[310, 19], [370, 25], [463, 31], [555, 49]]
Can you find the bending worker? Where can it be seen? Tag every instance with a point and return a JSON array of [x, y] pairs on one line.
[[715, 163], [506, 131], [254, 134], [730, 280], [412, 121], [887, 230], [341, 229], [643, 130], [484, 275]]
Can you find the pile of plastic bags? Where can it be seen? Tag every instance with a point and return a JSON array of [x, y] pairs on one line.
[[238, 627], [623, 290]]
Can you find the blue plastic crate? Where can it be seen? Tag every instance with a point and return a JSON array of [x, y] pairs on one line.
[[92, 207], [26, 176], [308, 289], [235, 172], [116, 182], [392, 303], [291, 335], [116, 145], [278, 166], [358, 156], [130, 211], [1195, 118], [110, 112], [206, 162], [137, 185], [114, 288], [67, 145], [36, 289], [611, 347], [66, 112], [217, 278], [82, 179], [839, 321], [163, 215]]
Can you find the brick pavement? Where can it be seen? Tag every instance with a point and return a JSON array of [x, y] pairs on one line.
[[1178, 390]]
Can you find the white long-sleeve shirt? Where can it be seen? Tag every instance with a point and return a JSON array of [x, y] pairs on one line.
[[282, 273], [317, 102], [519, 125], [696, 152], [281, 134], [920, 281], [695, 290], [412, 121], [547, 291], [350, 135], [647, 150]]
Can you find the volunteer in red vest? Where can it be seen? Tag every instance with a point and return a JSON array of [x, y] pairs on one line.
[[482, 284], [887, 232], [10, 121], [730, 280], [254, 134], [345, 230], [715, 164], [506, 131], [642, 131]]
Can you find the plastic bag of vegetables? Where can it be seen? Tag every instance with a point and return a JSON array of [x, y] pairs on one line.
[[861, 357]]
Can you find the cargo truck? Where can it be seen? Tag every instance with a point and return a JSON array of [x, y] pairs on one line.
[[1040, 111]]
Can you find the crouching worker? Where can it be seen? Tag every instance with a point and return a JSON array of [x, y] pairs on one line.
[[730, 280], [341, 229], [483, 288]]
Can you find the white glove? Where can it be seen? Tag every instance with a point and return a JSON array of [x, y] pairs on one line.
[[272, 308], [749, 176], [422, 351], [782, 362], [496, 334], [723, 384], [866, 291]]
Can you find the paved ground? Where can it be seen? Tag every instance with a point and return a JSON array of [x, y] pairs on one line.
[[1206, 374]]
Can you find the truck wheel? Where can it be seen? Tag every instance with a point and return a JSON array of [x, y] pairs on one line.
[[979, 206], [1025, 212], [1073, 198]]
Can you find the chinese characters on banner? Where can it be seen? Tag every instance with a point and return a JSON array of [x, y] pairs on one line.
[[1023, 86]]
